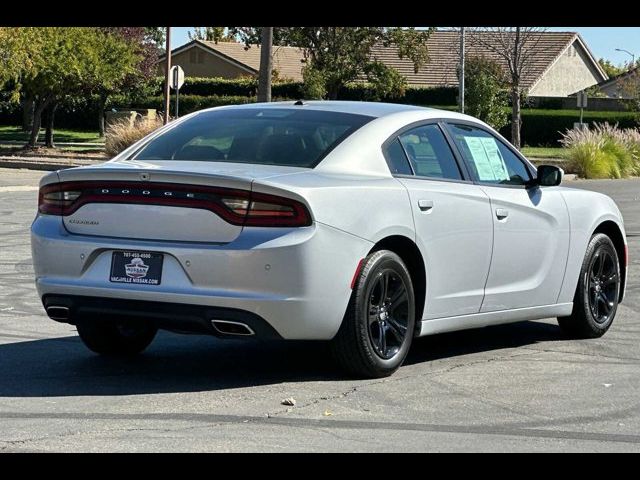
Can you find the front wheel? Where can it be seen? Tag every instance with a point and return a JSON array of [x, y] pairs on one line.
[[108, 338], [596, 299], [378, 327]]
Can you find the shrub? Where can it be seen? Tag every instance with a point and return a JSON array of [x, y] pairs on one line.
[[121, 135], [485, 95], [604, 152], [546, 127]]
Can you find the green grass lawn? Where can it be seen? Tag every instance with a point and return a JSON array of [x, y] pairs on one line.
[[544, 152], [59, 135]]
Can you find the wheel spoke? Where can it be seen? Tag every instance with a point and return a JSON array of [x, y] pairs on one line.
[[398, 330], [605, 302], [398, 299], [385, 288], [383, 338], [600, 265], [373, 316], [611, 280]]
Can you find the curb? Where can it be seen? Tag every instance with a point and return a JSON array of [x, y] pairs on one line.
[[42, 164]]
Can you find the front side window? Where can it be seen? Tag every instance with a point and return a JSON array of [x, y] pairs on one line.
[[268, 136], [489, 160], [429, 153]]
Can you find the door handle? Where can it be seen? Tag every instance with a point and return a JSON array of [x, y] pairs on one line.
[[502, 213], [425, 205]]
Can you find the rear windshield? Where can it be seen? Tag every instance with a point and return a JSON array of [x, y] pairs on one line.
[[270, 136]]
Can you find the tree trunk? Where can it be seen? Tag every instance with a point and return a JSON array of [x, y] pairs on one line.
[[266, 65], [332, 91], [515, 117], [48, 136], [101, 107], [35, 126], [27, 113]]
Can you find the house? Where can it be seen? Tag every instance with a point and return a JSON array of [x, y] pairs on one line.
[[621, 86], [562, 63], [200, 58]]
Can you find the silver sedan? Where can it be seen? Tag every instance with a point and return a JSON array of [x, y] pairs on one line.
[[361, 224]]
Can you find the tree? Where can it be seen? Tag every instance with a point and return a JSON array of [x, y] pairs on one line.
[[72, 61], [127, 63], [335, 56], [17, 46], [486, 95], [211, 34], [630, 91], [517, 48], [156, 35], [610, 69]]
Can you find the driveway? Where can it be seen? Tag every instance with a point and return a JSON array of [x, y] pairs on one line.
[[506, 388]]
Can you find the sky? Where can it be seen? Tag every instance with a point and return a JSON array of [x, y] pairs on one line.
[[602, 41]]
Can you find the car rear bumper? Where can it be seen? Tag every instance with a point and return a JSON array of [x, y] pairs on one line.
[[296, 280], [182, 318]]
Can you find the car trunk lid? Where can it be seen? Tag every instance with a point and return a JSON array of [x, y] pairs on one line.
[[171, 201]]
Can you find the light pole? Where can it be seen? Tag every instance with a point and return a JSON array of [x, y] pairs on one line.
[[461, 80], [167, 79], [633, 57]]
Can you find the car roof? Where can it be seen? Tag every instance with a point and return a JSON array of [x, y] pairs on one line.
[[370, 109]]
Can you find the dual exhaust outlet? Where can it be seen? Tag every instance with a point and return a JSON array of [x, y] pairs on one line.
[[226, 327]]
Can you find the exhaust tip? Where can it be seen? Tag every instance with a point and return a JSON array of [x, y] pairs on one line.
[[228, 327], [58, 312]]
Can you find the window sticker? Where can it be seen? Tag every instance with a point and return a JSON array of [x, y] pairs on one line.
[[487, 159], [495, 158], [480, 159]]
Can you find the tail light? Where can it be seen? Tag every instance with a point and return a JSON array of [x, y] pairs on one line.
[[238, 207]]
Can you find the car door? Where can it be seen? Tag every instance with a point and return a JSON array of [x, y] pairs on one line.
[[452, 220], [530, 224]]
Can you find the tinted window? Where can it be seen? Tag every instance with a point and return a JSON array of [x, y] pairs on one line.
[[429, 153], [490, 160], [270, 136], [398, 163]]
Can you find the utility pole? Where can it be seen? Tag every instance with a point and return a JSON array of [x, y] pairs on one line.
[[461, 81], [167, 79], [266, 65]]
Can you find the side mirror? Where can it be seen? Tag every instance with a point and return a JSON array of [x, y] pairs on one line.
[[549, 176]]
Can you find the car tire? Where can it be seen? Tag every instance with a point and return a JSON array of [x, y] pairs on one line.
[[377, 329], [596, 299], [108, 338]]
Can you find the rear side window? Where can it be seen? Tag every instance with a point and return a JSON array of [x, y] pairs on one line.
[[397, 160], [269, 136], [429, 153], [489, 160]]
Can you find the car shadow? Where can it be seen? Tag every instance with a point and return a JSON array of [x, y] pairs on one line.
[[61, 367]]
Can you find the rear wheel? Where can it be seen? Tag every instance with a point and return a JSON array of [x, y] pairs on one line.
[[116, 339], [378, 327], [596, 299]]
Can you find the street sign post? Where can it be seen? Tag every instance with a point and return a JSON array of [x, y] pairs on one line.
[[582, 102], [177, 80]]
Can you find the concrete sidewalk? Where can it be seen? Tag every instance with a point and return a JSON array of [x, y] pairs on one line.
[[45, 163]]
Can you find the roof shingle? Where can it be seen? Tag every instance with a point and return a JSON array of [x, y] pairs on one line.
[[287, 61], [444, 48]]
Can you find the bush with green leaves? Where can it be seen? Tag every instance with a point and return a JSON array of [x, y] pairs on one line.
[[486, 95], [604, 152]]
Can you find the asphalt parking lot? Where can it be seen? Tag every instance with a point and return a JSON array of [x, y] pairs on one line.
[[518, 387]]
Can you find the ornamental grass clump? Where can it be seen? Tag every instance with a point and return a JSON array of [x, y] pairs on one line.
[[121, 135], [604, 152]]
